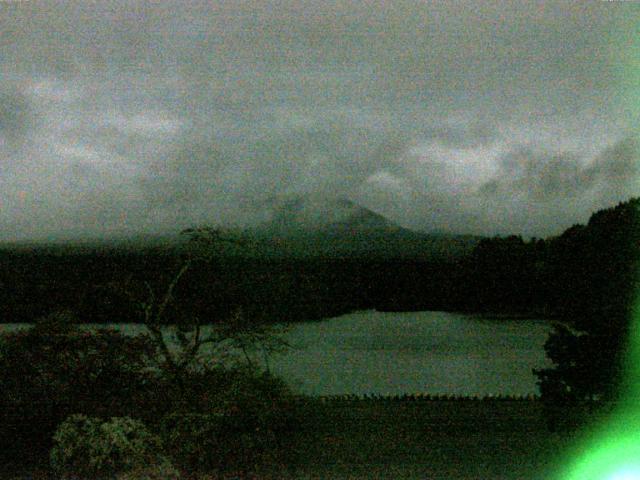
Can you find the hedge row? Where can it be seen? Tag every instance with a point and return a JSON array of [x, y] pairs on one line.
[[419, 397]]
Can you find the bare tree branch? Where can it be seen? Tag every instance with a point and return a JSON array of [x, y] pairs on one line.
[[237, 333], [168, 296]]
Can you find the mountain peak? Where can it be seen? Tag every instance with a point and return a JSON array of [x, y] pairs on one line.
[[314, 214]]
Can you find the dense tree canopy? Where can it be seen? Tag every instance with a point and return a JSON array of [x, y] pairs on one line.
[[594, 271]]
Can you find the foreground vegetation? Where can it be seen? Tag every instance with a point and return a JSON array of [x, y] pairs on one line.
[[101, 404], [92, 405], [445, 439]]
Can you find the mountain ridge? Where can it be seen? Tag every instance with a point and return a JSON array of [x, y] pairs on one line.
[[339, 227]]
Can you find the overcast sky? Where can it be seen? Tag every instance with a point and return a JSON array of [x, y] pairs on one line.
[[467, 117]]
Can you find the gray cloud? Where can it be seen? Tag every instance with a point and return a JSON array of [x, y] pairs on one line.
[[565, 184], [16, 119], [126, 116], [547, 176], [619, 162], [543, 176], [14, 113]]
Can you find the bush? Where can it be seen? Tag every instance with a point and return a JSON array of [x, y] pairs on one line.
[[217, 443], [237, 419], [154, 472], [228, 390], [55, 369], [86, 447], [195, 441]]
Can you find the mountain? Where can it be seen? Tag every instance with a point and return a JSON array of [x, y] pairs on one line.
[[308, 215], [306, 226], [298, 227]]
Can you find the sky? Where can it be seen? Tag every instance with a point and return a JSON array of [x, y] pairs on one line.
[[130, 117]]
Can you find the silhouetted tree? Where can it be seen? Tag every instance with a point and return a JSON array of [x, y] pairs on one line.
[[501, 275], [180, 337], [593, 273]]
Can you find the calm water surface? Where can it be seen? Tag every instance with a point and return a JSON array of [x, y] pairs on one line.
[[415, 352]]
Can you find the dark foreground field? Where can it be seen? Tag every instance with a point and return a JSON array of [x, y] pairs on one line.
[[429, 440], [437, 439]]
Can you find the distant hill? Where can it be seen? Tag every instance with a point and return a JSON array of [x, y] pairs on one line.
[[319, 227]]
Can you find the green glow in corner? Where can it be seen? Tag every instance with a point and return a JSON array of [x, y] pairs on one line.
[[626, 474], [611, 450], [609, 453]]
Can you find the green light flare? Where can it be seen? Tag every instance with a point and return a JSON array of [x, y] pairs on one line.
[[610, 450], [630, 473]]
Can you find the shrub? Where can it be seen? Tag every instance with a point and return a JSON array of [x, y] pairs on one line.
[[195, 441], [228, 390], [238, 419], [86, 447], [55, 369], [217, 443], [154, 472]]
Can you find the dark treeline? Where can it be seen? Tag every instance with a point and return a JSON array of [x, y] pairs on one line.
[[99, 285], [582, 276], [576, 276]]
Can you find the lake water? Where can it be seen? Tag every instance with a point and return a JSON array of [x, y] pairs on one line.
[[416, 352], [373, 352]]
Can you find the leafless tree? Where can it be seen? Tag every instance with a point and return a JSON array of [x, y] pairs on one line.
[[188, 343]]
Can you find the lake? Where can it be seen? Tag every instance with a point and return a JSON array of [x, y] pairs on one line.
[[390, 353], [415, 352]]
